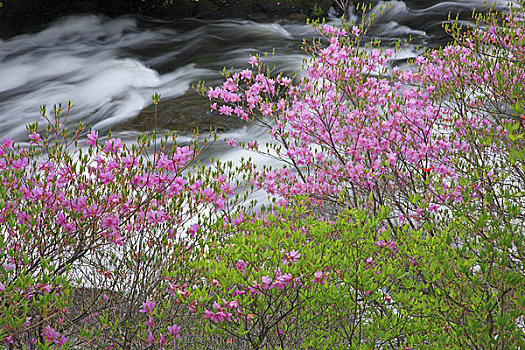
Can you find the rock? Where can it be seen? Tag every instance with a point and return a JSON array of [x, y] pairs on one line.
[[185, 114], [299, 17]]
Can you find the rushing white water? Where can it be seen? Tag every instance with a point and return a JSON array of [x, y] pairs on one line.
[[81, 59], [109, 68]]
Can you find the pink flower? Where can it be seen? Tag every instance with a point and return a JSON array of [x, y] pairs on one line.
[[195, 186], [148, 307], [19, 163], [318, 277], [52, 336], [216, 306], [7, 143], [266, 281], [253, 61], [106, 177], [219, 203], [113, 145], [151, 338], [215, 283], [224, 316], [210, 315], [291, 257], [208, 193], [111, 222], [193, 230], [240, 217], [35, 137], [246, 74], [9, 266], [92, 138], [282, 281], [226, 110], [241, 265], [174, 330], [390, 244], [232, 304], [369, 262]]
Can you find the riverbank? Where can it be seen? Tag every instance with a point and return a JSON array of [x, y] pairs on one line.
[[28, 16]]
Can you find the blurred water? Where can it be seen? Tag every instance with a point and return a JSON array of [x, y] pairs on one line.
[[109, 68]]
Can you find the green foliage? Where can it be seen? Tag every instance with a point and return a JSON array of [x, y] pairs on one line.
[[421, 292], [317, 11]]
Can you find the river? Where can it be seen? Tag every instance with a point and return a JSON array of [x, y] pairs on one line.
[[109, 68]]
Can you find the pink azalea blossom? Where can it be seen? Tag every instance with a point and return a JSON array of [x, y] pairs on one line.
[[266, 281], [282, 281], [291, 257], [253, 61], [241, 265], [174, 330], [92, 138], [318, 277], [148, 307], [7, 143], [52, 336], [35, 137]]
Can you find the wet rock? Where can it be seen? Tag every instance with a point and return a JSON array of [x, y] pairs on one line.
[[298, 17], [185, 113]]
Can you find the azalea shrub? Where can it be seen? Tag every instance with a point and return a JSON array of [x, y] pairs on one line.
[[395, 221], [289, 281], [440, 144], [94, 233], [351, 132]]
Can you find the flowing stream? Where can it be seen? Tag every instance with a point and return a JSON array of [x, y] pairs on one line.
[[109, 68]]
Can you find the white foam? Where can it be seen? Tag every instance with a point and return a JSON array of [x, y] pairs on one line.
[[79, 59], [395, 29], [386, 11]]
